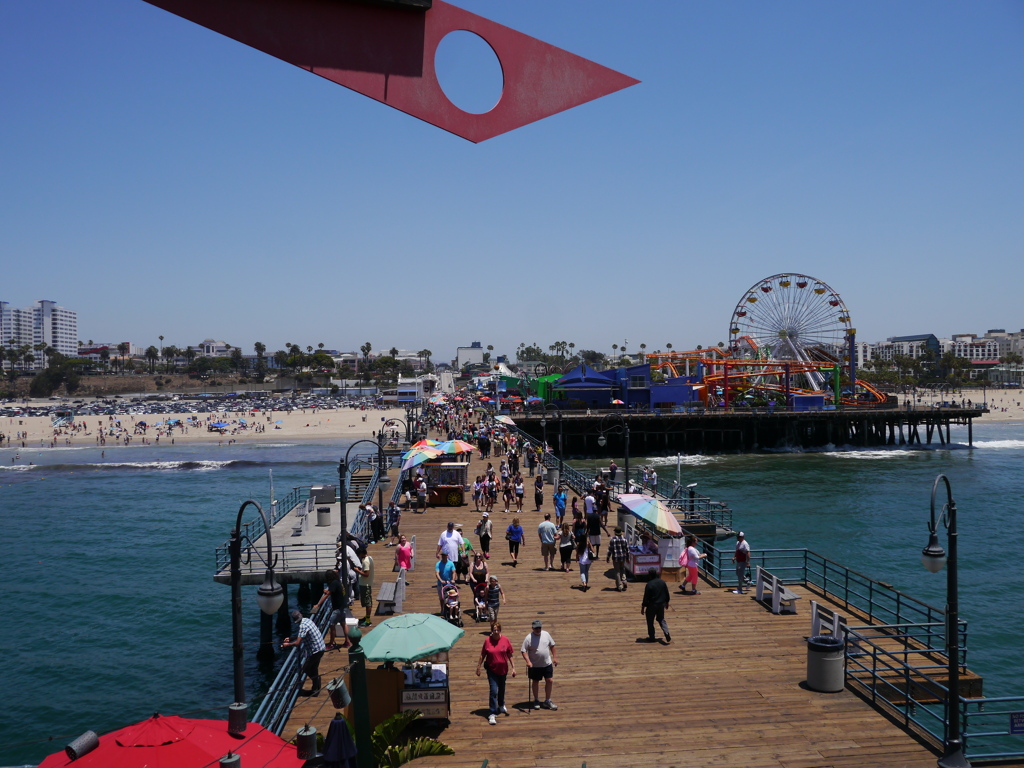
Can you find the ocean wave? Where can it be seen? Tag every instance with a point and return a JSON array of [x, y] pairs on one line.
[[999, 443], [694, 460], [188, 465], [16, 467]]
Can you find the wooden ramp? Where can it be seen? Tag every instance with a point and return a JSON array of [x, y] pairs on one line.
[[728, 690]]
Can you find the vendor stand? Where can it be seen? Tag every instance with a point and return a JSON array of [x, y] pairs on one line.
[[421, 643], [447, 482], [654, 535]]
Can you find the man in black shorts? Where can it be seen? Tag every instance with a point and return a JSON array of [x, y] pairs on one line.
[[541, 658]]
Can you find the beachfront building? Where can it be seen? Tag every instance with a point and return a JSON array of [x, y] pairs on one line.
[[922, 345], [44, 323], [471, 355]]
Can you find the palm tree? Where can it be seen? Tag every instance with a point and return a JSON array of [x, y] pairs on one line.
[[615, 348], [122, 350], [366, 349], [642, 348], [161, 345], [105, 355], [171, 353], [152, 354], [393, 352]]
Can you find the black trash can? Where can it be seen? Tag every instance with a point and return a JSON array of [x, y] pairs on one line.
[[826, 662]]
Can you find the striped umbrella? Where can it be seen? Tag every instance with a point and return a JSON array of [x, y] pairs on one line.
[[455, 446], [505, 420], [416, 456], [652, 511]]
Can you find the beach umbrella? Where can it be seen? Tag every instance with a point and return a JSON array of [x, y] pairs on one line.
[[455, 447], [618, 402], [505, 420], [220, 424], [413, 458], [428, 443], [243, 421], [535, 399], [486, 400], [177, 742], [409, 637], [650, 510]]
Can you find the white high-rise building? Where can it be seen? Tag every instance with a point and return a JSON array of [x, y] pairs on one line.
[[45, 322]]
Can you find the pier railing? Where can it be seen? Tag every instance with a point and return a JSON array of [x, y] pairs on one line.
[[254, 529], [276, 706], [861, 597]]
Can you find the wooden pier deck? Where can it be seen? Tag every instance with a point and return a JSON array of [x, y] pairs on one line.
[[728, 690]]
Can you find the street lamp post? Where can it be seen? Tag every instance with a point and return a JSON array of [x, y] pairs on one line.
[[934, 557], [543, 424], [622, 427], [391, 421], [270, 594], [364, 736]]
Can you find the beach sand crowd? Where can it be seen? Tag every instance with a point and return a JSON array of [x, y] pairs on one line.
[[311, 424]]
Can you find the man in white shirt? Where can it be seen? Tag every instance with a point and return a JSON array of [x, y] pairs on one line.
[[450, 541], [589, 502], [742, 559], [538, 649], [547, 531]]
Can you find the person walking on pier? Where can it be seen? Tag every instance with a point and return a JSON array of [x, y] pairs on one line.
[[618, 555], [656, 599], [691, 561], [312, 644], [546, 532], [336, 591], [515, 536], [496, 658], [483, 530], [538, 650], [742, 559]]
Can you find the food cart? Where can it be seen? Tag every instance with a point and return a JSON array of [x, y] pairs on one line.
[[415, 673], [447, 482], [646, 520]]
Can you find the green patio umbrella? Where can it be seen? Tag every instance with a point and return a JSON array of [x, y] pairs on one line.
[[409, 637]]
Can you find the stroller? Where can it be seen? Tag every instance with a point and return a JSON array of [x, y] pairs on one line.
[[481, 612], [452, 609]]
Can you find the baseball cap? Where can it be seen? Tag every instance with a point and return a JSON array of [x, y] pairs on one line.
[[537, 624], [486, 514], [740, 534]]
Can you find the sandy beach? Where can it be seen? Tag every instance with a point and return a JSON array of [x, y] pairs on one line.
[[313, 425]]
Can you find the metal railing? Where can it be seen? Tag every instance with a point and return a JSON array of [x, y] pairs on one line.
[[276, 705], [254, 529]]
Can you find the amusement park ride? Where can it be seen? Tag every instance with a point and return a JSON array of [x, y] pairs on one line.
[[790, 336]]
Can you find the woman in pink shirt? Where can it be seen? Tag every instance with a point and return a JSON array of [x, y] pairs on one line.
[[404, 553]]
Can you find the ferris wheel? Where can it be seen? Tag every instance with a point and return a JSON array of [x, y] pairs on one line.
[[790, 317]]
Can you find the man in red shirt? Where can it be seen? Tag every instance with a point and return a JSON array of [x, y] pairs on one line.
[[496, 657]]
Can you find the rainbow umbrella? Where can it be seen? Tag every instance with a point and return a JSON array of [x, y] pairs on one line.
[[535, 399], [428, 443], [416, 456], [505, 420], [652, 511], [455, 446], [618, 402]]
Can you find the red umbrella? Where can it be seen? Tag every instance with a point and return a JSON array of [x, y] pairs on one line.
[[177, 742]]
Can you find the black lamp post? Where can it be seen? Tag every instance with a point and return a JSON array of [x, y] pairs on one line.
[[543, 424], [389, 422], [623, 427], [934, 557], [270, 595]]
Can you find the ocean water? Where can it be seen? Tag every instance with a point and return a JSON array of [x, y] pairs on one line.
[[110, 612]]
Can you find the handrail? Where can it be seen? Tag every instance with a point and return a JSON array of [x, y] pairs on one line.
[[254, 530], [276, 705]]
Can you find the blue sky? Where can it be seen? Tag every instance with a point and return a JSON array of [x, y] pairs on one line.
[[163, 180]]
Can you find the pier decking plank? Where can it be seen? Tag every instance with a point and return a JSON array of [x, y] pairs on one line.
[[726, 692]]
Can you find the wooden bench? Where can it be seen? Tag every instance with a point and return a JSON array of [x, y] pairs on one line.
[[391, 595], [826, 620], [782, 600]]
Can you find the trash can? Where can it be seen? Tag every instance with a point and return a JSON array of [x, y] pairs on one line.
[[552, 478], [323, 516], [826, 659]]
